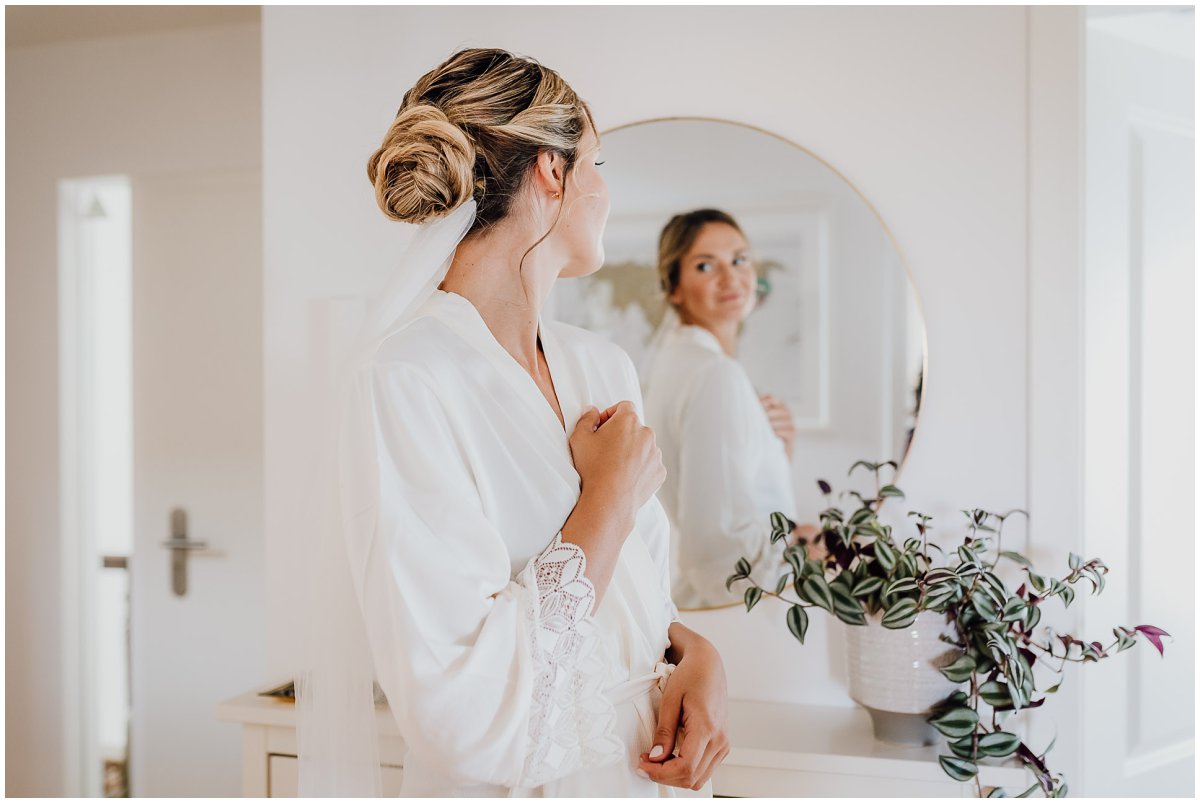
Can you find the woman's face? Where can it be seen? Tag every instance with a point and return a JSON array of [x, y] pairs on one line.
[[580, 229], [716, 278]]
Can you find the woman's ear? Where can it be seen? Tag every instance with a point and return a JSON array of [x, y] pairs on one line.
[[548, 173]]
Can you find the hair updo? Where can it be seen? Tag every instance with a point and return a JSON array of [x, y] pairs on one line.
[[472, 128], [677, 238]]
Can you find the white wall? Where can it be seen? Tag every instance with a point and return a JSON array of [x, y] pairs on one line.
[[139, 105]]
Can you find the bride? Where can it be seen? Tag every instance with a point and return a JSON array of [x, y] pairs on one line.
[[510, 558]]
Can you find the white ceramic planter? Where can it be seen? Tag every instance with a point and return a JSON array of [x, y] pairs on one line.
[[894, 675]]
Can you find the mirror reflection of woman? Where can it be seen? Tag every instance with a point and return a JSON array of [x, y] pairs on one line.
[[727, 450]]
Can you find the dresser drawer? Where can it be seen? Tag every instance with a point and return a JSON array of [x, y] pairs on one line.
[[283, 773]]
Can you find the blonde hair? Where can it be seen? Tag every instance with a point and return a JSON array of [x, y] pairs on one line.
[[473, 127]]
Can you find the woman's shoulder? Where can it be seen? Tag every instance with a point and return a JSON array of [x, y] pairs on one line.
[[599, 357], [597, 348], [720, 379], [685, 361], [424, 346]]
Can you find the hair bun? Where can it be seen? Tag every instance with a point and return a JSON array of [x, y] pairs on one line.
[[425, 167]]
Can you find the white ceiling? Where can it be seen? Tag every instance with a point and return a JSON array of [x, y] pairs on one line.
[[40, 25]]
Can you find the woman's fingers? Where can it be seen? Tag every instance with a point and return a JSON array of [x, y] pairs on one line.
[[780, 415], [669, 712], [707, 764], [683, 770], [607, 414], [589, 419], [716, 754]]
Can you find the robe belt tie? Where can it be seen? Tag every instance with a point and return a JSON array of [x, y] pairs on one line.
[[636, 688]]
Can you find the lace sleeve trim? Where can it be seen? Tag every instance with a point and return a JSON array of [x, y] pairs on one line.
[[572, 723]]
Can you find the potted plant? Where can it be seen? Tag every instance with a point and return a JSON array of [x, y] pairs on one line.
[[964, 662]]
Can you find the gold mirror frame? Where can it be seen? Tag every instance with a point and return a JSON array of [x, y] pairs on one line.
[[891, 237]]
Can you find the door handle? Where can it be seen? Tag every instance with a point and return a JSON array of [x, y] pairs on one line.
[[180, 545]]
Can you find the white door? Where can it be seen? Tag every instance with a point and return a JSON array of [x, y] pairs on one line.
[[197, 412], [1139, 727]]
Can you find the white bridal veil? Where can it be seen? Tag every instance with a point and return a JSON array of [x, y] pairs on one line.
[[335, 707]]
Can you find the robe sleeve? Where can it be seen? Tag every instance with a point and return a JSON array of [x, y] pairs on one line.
[[719, 456], [493, 679], [652, 518]]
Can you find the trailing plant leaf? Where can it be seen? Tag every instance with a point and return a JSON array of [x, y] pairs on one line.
[[846, 607], [995, 694], [964, 747], [1067, 594], [984, 604], [900, 615], [900, 586], [1016, 557], [867, 586], [999, 744], [1014, 610], [967, 569], [816, 590], [956, 722], [960, 670], [797, 621], [783, 582], [885, 555], [940, 576], [1153, 635], [752, 596], [938, 597], [860, 516], [959, 769], [796, 563]]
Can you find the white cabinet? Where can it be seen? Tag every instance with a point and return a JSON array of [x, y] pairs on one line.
[[778, 750], [283, 772]]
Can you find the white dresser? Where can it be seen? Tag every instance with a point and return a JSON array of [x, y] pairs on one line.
[[778, 750]]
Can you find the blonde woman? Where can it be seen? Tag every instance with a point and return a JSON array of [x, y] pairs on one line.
[[498, 481], [727, 450]]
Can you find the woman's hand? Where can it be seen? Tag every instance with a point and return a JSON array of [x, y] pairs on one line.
[[614, 452], [692, 717], [781, 421], [620, 468]]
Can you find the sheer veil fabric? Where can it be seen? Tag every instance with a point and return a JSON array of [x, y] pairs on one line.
[[336, 716]]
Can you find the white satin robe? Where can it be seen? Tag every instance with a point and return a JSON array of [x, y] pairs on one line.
[[499, 680], [727, 470]]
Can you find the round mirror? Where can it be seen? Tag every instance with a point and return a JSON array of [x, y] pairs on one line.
[[775, 330]]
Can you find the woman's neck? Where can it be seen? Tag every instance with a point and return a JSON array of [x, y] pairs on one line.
[[485, 272], [724, 331]]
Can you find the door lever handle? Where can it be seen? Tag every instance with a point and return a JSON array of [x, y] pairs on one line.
[[180, 545], [183, 543]]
